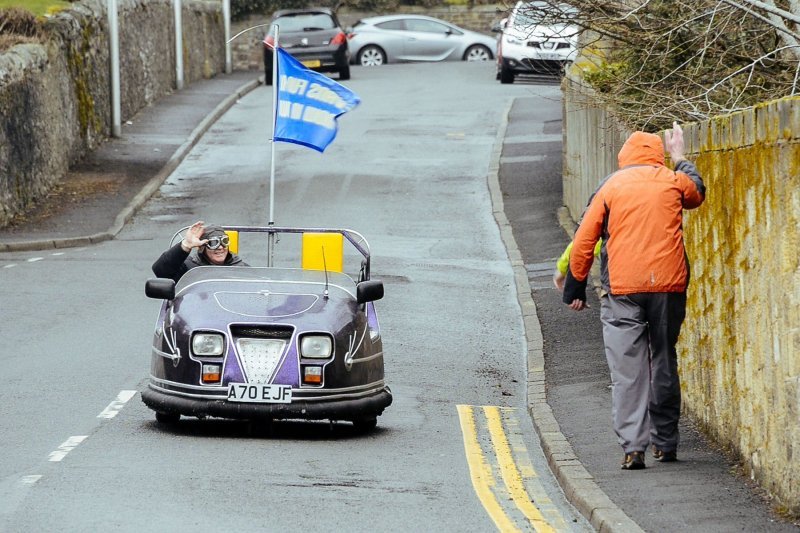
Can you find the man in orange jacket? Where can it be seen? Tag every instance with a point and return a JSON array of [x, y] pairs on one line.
[[638, 213]]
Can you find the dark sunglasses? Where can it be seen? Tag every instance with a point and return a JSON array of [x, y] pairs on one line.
[[215, 242]]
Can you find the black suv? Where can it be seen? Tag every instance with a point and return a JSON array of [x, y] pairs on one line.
[[313, 36]]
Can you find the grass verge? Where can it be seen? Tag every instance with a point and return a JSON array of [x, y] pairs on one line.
[[37, 7]]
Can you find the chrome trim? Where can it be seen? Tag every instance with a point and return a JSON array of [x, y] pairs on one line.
[[265, 293], [353, 237], [365, 359], [172, 357], [348, 357], [346, 392], [207, 388], [288, 282]]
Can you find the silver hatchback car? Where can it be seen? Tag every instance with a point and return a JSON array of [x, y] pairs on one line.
[[395, 38]]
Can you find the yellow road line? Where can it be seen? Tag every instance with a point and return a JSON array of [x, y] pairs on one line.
[[511, 475], [481, 472]]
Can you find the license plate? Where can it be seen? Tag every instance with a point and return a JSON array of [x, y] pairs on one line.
[[258, 393], [549, 56], [311, 63]]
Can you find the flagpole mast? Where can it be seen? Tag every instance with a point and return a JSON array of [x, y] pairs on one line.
[[271, 240]]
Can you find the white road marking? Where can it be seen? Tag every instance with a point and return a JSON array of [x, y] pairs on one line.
[[34, 259], [12, 265], [116, 406], [30, 480], [66, 447], [57, 253], [522, 159]]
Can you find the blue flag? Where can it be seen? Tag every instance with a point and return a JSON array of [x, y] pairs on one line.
[[308, 104]]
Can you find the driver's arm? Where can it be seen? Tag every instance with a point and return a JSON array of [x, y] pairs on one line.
[[171, 263]]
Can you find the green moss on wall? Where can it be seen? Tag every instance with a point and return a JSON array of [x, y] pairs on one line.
[[81, 79]]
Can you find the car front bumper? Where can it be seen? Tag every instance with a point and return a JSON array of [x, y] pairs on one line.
[[527, 65], [355, 408]]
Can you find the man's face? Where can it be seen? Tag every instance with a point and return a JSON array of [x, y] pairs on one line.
[[216, 257], [216, 249]]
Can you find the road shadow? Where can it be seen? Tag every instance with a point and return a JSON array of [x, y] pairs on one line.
[[309, 430]]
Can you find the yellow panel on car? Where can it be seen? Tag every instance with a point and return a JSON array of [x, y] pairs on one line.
[[233, 245], [333, 246]]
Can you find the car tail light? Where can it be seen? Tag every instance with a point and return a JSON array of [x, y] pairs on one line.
[[312, 375], [340, 38], [269, 41], [212, 373]]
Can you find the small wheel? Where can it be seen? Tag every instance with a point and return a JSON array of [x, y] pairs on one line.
[[344, 73], [167, 418], [506, 75], [371, 56], [477, 52], [367, 423]]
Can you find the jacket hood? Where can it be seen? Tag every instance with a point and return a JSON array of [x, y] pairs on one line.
[[641, 149]]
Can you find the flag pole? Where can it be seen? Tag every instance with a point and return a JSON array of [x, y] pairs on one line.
[[271, 239]]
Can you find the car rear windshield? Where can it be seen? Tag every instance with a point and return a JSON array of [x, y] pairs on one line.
[[305, 22]]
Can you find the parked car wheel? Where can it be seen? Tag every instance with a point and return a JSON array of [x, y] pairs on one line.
[[267, 66], [344, 73], [506, 75], [371, 56], [477, 52]]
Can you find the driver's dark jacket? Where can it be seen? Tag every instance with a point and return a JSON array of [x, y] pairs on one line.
[[175, 262]]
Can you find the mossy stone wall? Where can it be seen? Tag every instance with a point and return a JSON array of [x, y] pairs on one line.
[[55, 98], [739, 350]]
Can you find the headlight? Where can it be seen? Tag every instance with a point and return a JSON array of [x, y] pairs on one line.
[[207, 344], [512, 40], [316, 346]]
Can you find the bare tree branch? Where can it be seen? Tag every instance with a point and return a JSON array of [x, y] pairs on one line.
[[659, 60]]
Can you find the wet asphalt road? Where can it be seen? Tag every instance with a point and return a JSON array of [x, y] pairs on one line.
[[85, 454]]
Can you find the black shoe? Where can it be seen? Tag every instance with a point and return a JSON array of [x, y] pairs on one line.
[[633, 461], [665, 457]]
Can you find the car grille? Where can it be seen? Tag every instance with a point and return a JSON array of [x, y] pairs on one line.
[[260, 349], [547, 45], [263, 332]]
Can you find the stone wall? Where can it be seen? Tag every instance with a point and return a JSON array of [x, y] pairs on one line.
[[55, 100], [247, 50], [739, 351]]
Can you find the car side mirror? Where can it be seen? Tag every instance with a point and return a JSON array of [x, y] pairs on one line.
[[369, 291], [160, 289]]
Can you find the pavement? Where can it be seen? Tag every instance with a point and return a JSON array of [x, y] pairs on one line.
[[568, 382], [100, 194]]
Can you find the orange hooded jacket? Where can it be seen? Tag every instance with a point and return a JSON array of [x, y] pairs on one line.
[[638, 212]]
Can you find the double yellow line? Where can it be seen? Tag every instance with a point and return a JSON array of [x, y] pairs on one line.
[[497, 456]]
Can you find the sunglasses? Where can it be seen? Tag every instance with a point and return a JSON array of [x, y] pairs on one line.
[[216, 242]]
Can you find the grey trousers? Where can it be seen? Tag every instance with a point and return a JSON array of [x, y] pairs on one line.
[[640, 332]]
